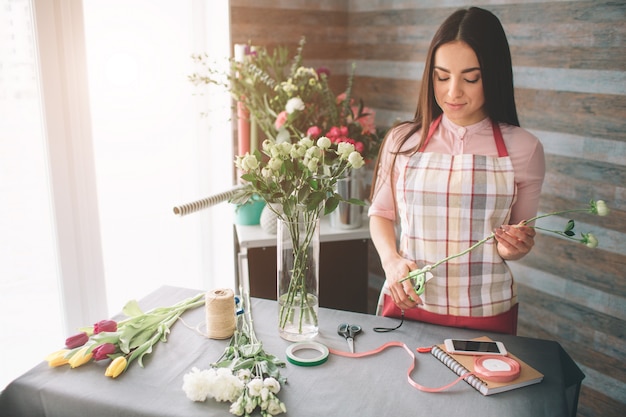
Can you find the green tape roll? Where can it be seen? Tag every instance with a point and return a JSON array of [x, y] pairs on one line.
[[318, 360]]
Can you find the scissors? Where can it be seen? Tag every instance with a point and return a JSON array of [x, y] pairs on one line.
[[349, 331]]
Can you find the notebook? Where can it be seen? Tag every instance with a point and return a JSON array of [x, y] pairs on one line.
[[462, 364]]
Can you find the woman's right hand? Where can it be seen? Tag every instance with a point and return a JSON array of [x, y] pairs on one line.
[[395, 266], [402, 293]]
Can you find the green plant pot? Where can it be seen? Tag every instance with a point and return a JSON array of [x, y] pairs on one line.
[[250, 213]]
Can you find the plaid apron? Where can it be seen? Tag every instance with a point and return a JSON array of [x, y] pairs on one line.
[[446, 203]]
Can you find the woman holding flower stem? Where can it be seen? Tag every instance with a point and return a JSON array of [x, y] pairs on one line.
[[461, 170]]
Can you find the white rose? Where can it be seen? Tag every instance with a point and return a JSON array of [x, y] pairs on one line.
[[323, 142], [294, 104], [356, 160], [249, 162], [344, 149]]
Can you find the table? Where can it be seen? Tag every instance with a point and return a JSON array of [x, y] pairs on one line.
[[371, 386], [343, 265]]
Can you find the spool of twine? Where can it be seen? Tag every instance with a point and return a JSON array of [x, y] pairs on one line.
[[220, 313]]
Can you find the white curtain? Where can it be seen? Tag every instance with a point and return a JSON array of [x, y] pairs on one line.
[[120, 141]]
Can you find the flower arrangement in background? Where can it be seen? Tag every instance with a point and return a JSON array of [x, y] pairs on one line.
[[598, 207], [124, 341], [286, 98], [245, 375]]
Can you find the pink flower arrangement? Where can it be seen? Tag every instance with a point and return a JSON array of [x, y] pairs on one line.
[[289, 101]]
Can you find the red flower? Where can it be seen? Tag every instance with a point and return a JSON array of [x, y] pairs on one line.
[[103, 351], [76, 340], [314, 132], [104, 326]]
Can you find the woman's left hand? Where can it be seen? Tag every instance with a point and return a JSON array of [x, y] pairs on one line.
[[514, 241]]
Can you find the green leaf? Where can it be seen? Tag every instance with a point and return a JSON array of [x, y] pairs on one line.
[[356, 201], [331, 204], [570, 226], [250, 350], [132, 309]]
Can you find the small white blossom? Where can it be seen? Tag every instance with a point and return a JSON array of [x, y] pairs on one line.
[[274, 164], [294, 104], [356, 160], [237, 408], [254, 387], [267, 145], [590, 240], [272, 384], [306, 142], [344, 149], [247, 162], [275, 406], [601, 208], [264, 394], [244, 374], [313, 164], [323, 142], [267, 172], [297, 151]]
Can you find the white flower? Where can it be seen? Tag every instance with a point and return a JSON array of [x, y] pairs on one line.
[[196, 384], [306, 141], [272, 384], [344, 149], [590, 240], [254, 387], [237, 408], [244, 374], [323, 142], [601, 208], [275, 406], [250, 162], [356, 160], [312, 164], [274, 164], [226, 386], [264, 394], [250, 405], [297, 151], [294, 104]]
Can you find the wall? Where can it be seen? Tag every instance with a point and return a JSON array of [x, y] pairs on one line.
[[569, 67]]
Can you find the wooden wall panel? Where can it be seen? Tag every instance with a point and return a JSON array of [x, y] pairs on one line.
[[569, 62]]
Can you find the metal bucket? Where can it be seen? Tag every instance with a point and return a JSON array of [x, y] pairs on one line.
[[348, 216]]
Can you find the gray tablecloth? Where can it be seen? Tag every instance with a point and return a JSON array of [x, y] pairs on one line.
[[371, 386]]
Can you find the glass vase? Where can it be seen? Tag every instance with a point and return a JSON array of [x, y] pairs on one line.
[[297, 252]]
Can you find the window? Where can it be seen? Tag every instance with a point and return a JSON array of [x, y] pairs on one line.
[[151, 150]]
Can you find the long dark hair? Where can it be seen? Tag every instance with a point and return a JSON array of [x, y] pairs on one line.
[[483, 32]]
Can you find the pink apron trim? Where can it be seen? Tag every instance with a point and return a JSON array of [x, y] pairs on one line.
[[501, 323]]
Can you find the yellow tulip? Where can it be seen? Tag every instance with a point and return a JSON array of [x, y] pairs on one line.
[[81, 357], [57, 358], [116, 367]]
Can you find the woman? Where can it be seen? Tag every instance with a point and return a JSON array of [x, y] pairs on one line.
[[460, 170]]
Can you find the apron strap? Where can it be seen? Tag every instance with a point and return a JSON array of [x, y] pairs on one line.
[[497, 134]]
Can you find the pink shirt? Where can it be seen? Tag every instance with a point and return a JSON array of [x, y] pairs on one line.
[[525, 151]]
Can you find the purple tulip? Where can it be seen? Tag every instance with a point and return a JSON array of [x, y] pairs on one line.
[[104, 326], [103, 351], [76, 340]]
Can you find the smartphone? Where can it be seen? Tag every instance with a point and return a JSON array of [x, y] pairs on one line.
[[474, 347]]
